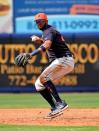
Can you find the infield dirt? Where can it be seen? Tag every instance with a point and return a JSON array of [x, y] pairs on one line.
[[70, 117]]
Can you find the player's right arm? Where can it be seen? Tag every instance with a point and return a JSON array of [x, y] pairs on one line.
[[36, 40]]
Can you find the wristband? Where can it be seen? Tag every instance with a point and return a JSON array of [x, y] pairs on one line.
[[43, 48]]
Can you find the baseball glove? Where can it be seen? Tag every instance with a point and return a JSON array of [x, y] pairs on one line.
[[22, 59]]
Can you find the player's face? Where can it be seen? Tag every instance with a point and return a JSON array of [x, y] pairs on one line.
[[40, 23]]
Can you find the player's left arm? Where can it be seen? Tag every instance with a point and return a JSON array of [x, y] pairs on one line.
[[22, 59], [45, 46]]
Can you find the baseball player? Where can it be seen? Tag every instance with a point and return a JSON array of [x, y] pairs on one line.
[[60, 59]]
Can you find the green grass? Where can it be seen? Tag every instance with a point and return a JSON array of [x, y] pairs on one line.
[[46, 128], [75, 100]]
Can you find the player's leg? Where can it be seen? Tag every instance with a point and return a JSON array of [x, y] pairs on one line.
[[53, 90], [55, 71], [45, 93], [61, 104]]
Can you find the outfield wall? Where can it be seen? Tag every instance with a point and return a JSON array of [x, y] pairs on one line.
[[84, 78]]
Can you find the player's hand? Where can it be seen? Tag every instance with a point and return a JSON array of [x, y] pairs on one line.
[[36, 39], [22, 59]]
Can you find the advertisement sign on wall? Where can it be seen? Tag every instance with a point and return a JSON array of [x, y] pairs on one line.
[[85, 74], [63, 23], [65, 15], [6, 20]]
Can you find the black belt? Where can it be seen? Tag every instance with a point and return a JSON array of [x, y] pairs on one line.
[[68, 55], [65, 55]]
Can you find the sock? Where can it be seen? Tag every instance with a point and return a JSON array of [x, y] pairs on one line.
[[53, 90], [47, 96]]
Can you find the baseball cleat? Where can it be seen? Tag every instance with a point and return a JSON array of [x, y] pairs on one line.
[[58, 110], [61, 105], [54, 113], [53, 116]]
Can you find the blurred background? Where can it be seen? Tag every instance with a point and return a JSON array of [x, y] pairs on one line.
[[77, 20]]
